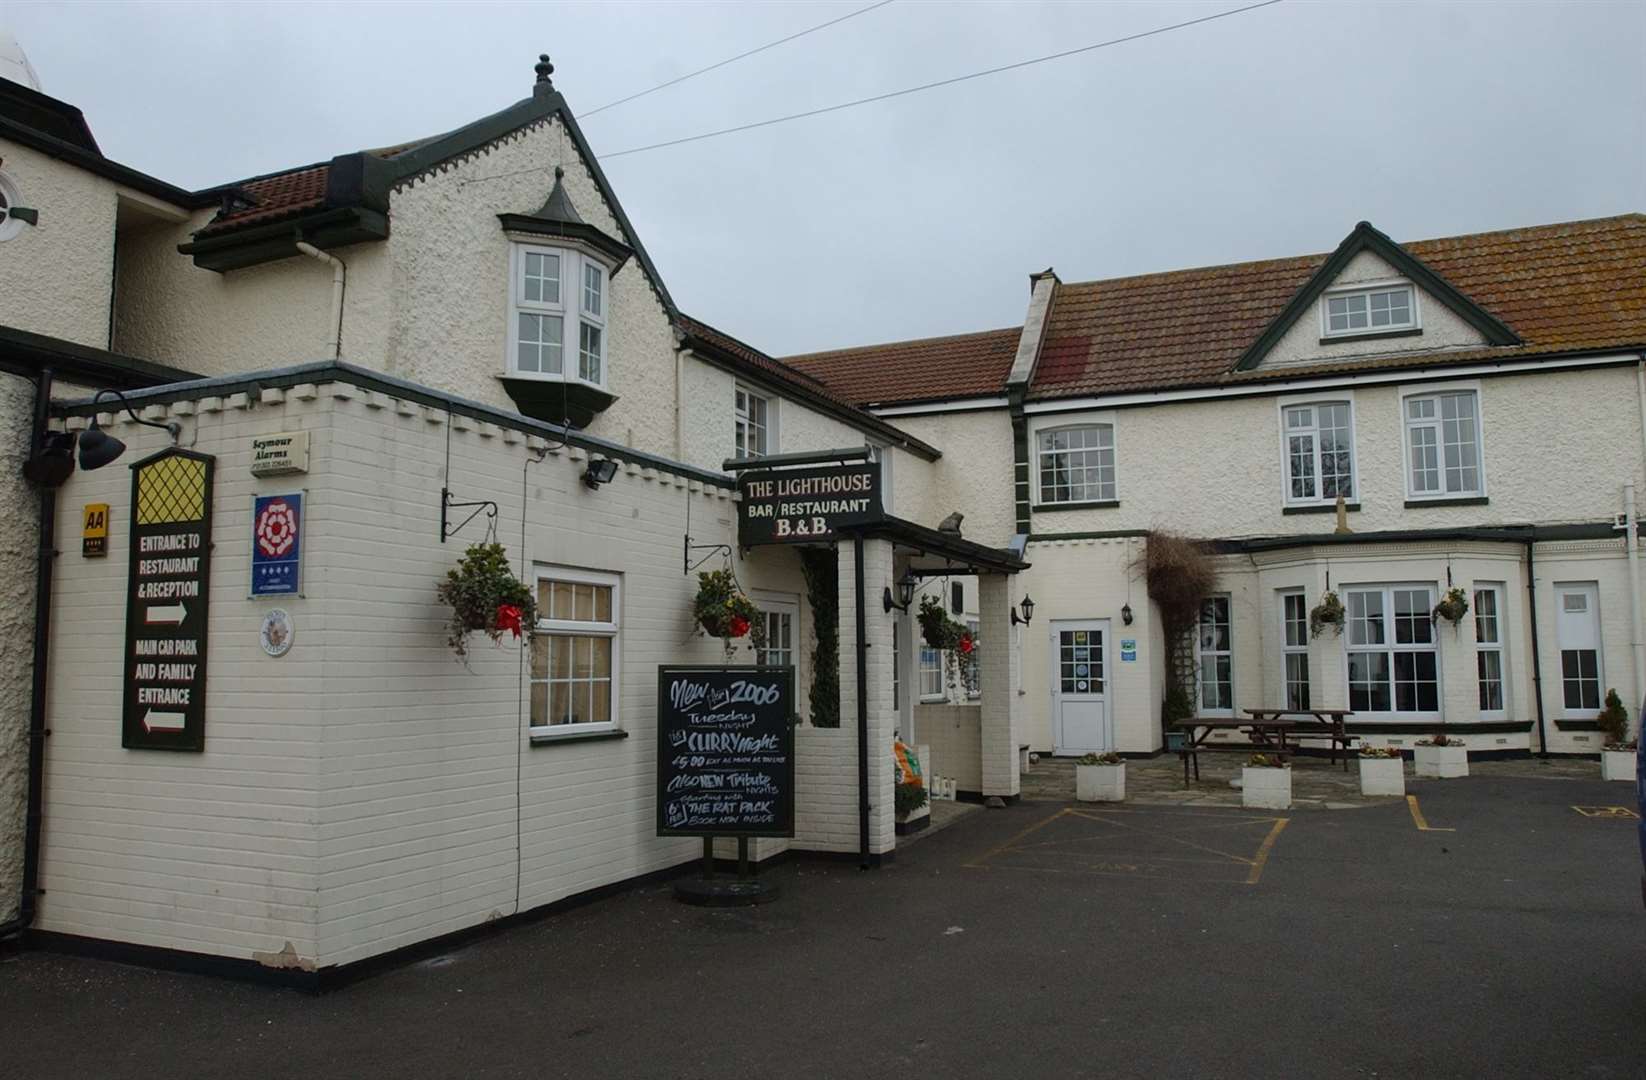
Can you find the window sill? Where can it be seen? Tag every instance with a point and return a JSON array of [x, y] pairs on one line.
[[556, 738], [1468, 500], [1375, 335], [1577, 725], [1319, 508], [1097, 504]]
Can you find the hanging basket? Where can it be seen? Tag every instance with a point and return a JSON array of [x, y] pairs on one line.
[[1452, 607], [485, 596], [723, 611], [1328, 614]]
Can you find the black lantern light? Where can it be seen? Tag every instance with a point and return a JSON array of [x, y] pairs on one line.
[[1126, 614], [600, 471], [1027, 609], [905, 593], [98, 447]]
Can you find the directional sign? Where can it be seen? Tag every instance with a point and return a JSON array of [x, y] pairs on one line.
[[167, 591]]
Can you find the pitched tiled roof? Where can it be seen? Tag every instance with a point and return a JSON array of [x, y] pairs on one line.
[[1572, 287], [926, 369], [272, 198], [704, 338]]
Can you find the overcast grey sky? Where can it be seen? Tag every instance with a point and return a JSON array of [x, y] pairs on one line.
[[1264, 134]]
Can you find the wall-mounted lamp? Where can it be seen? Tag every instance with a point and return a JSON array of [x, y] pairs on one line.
[[1126, 614], [905, 593], [600, 471], [1027, 608], [98, 447]]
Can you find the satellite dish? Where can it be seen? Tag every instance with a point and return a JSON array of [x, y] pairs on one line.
[[14, 63]]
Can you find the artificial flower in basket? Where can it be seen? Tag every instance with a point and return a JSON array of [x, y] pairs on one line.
[[723, 611], [484, 595]]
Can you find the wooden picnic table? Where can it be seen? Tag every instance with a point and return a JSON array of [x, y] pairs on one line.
[[1312, 723], [1269, 731]]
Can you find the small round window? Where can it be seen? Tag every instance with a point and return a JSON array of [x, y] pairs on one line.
[[9, 226]]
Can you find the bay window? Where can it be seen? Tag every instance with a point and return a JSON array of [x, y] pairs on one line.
[[1489, 647], [558, 300], [1214, 656], [1294, 625], [1443, 445], [1393, 663]]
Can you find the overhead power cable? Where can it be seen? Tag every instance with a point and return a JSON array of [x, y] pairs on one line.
[[739, 56], [940, 83]]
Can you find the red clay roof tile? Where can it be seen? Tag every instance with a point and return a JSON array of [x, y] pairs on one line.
[[962, 365], [274, 197]]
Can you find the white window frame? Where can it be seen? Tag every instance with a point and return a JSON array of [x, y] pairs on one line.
[[579, 628], [1368, 289], [1499, 645], [9, 226], [930, 660], [782, 605], [571, 313], [595, 320], [1591, 590], [1201, 653], [1294, 646], [1041, 454], [742, 422], [1436, 391], [1389, 646], [1285, 405]]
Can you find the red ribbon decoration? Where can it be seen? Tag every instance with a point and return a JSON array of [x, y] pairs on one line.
[[966, 643], [738, 626], [508, 618]]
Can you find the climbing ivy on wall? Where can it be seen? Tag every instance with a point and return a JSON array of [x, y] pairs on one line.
[[822, 592]]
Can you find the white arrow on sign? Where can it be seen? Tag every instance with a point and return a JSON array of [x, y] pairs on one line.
[[163, 721], [172, 614]]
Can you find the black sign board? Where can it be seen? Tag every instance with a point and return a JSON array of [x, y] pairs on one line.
[[797, 506], [725, 751], [166, 594]]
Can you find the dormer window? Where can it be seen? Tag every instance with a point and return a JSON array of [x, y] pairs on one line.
[[1376, 310], [558, 297]]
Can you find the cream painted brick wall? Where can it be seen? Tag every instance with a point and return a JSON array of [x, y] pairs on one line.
[[55, 275], [19, 508], [1214, 468], [955, 735], [832, 806], [1001, 703], [974, 475]]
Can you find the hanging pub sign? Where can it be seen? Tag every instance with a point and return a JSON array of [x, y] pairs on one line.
[[804, 505], [725, 751], [277, 545], [166, 594]]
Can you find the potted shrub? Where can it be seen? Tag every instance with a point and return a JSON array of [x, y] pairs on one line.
[[1617, 756], [1100, 778], [724, 612], [1382, 771], [913, 807], [1266, 783], [1440, 756], [1328, 614], [484, 595], [1452, 607]]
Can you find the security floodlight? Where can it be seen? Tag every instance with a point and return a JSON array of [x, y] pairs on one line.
[[600, 471]]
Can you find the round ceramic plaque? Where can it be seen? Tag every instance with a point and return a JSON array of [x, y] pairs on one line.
[[277, 632]]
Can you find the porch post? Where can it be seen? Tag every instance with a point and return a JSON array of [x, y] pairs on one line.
[[877, 665], [1002, 704]]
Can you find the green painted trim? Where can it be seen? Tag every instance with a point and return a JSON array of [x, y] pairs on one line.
[[1095, 504], [1323, 508], [1022, 486], [1473, 500], [1106, 534], [1366, 238], [1340, 338], [578, 737], [556, 401], [98, 165], [326, 228], [1504, 534], [1578, 725]]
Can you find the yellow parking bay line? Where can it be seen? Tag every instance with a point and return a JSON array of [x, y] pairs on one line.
[[1419, 820], [1263, 851]]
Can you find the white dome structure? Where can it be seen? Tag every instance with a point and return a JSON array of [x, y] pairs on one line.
[[14, 62]]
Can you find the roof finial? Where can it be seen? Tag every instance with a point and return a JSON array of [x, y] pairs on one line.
[[558, 173], [544, 69]]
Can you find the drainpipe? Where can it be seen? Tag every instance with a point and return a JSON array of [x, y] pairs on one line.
[[1638, 645], [34, 812], [1537, 652], [862, 708], [338, 272]]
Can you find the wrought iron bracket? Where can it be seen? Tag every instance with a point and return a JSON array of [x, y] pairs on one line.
[[687, 566], [448, 504]]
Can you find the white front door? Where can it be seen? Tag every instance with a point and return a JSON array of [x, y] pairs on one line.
[[1577, 622], [1080, 697]]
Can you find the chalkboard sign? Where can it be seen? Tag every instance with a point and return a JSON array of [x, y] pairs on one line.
[[725, 751]]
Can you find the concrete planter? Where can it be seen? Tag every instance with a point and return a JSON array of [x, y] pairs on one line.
[[1100, 783], [1617, 765], [1382, 776], [1441, 762], [1266, 787], [914, 821]]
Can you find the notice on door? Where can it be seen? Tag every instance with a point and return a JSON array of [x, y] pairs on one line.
[[166, 596], [725, 751]]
